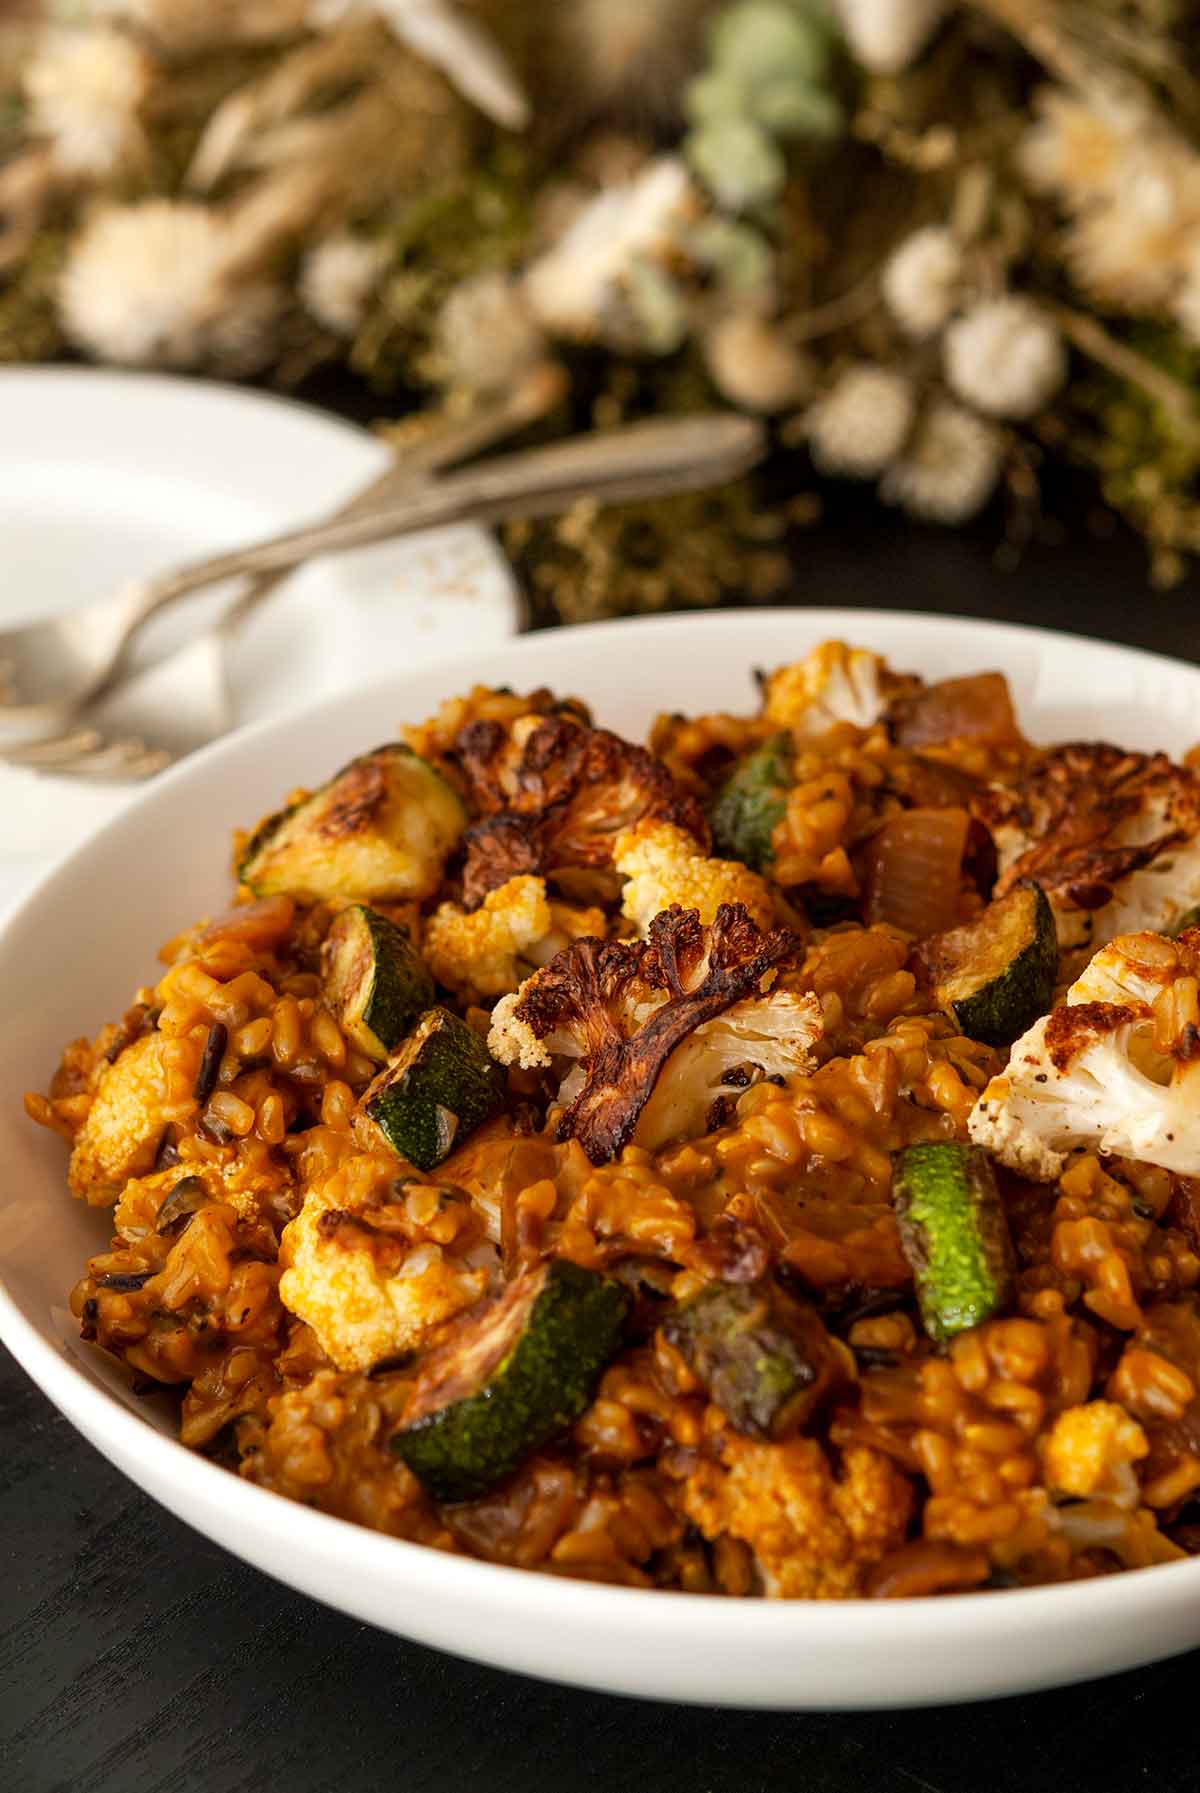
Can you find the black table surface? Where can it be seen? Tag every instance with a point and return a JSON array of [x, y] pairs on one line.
[[136, 1657]]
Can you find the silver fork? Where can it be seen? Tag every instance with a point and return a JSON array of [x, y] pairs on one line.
[[182, 701], [632, 462]]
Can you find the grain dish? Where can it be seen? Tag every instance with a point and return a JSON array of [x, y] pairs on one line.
[[607, 1160]]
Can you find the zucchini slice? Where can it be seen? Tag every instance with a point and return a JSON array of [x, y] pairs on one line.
[[441, 1084], [380, 831], [376, 981], [995, 975], [765, 1359], [1189, 919], [750, 802], [510, 1375], [954, 1233]]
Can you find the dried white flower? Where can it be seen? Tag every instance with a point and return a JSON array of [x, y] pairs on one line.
[[861, 423], [486, 336], [1131, 248], [155, 284], [753, 364], [887, 35], [84, 88], [337, 279], [578, 288], [949, 469], [920, 280], [1073, 149], [1005, 357], [444, 35], [1131, 191]]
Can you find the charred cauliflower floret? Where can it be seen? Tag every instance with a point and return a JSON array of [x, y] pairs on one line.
[[554, 795], [479, 951], [1112, 837], [1090, 1452], [373, 1267], [120, 1136], [834, 684], [487, 951], [813, 1536], [658, 1029], [663, 865], [1115, 1066]]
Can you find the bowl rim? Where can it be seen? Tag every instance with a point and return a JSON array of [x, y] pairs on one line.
[[1126, 1594]]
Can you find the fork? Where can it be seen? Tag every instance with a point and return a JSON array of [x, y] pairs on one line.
[[182, 702], [635, 461]]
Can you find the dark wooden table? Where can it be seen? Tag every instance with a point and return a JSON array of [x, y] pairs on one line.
[[137, 1658]]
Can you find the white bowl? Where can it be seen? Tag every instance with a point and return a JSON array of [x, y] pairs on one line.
[[87, 937]]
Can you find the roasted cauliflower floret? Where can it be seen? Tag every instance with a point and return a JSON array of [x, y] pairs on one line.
[[554, 795], [1090, 1452], [1116, 1066], [479, 951], [373, 1268], [834, 684], [487, 951], [663, 865], [120, 1136], [1113, 838], [689, 1007], [813, 1536], [248, 1188]]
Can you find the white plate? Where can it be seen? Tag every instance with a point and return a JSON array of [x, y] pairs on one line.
[[87, 937], [108, 476]]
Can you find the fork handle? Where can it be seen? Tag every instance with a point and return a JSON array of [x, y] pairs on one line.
[[639, 460]]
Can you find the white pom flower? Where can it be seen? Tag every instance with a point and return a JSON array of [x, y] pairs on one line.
[[949, 469], [886, 36], [751, 363], [486, 336], [920, 280], [337, 279], [861, 423], [1005, 357], [578, 288], [153, 285], [84, 89]]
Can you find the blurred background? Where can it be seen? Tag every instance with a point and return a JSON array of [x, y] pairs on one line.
[[952, 252]]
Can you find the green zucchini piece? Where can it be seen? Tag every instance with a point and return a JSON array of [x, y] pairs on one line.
[[995, 975], [765, 1359], [509, 1375], [441, 1084], [1189, 919], [380, 831], [376, 982], [751, 801], [954, 1233]]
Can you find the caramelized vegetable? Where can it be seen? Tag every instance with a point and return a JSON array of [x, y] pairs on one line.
[[977, 708], [765, 1359], [914, 870]]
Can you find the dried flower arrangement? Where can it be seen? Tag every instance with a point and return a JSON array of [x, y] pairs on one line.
[[936, 242]]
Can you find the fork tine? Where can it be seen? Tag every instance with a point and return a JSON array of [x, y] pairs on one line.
[[60, 750], [84, 753], [130, 759]]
